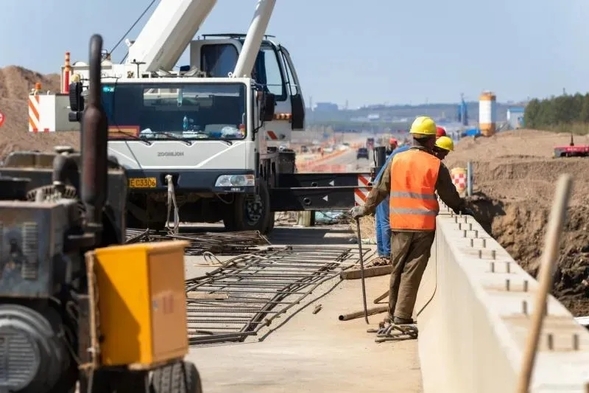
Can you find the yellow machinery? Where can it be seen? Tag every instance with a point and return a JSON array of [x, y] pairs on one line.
[[76, 306], [140, 305]]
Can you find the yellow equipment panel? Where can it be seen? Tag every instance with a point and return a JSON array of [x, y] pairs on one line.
[[141, 303]]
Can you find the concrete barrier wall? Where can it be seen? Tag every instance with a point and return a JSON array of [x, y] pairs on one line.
[[473, 313]]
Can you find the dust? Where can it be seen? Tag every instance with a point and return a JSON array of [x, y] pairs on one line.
[[515, 180]]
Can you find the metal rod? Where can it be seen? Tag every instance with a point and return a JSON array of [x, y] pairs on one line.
[[469, 178], [362, 271], [358, 314]]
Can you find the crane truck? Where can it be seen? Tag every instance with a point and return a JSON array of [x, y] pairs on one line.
[[203, 139]]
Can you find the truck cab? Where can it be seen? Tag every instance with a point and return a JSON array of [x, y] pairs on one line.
[[216, 55]]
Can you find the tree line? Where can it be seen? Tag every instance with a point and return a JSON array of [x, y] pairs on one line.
[[559, 112]]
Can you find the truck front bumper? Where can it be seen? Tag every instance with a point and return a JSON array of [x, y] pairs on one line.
[[217, 181]]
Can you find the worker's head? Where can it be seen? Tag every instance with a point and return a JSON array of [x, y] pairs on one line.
[[424, 131], [444, 145], [440, 131], [393, 143]]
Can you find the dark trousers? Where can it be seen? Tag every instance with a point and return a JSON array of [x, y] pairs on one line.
[[410, 252]]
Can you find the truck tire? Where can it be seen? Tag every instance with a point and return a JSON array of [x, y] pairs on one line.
[[179, 377], [269, 226], [250, 212]]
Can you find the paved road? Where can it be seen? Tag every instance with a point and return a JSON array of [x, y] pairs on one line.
[[349, 158], [313, 352]]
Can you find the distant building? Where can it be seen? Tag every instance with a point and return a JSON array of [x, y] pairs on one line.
[[515, 117], [326, 107]]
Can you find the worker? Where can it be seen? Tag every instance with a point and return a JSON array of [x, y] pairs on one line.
[[381, 218], [392, 146], [411, 180], [444, 145], [440, 132]]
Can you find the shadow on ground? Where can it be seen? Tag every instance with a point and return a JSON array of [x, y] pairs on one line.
[[312, 236]]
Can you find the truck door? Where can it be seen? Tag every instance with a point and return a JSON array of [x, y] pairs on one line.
[[297, 101]]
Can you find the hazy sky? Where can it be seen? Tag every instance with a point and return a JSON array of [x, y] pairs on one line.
[[367, 51]]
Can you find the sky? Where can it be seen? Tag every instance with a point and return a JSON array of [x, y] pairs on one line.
[[360, 52]]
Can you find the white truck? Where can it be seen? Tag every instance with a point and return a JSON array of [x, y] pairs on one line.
[[204, 139]]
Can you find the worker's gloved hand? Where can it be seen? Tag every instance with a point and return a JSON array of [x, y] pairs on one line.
[[467, 212], [357, 212]]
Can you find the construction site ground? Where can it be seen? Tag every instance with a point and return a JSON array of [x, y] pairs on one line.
[[307, 352]]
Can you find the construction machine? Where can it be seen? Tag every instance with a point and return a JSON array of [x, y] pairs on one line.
[[204, 142], [571, 150], [78, 309]]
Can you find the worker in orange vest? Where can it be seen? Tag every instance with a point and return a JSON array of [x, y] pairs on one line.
[[411, 180]]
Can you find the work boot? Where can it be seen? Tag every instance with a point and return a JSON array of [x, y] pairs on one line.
[[403, 321]]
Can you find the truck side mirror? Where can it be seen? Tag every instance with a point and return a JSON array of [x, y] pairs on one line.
[[268, 106]]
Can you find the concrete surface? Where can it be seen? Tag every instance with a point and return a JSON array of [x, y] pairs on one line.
[[306, 352], [473, 325]]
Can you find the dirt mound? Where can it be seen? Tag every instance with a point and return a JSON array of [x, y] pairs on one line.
[[15, 85], [514, 183]]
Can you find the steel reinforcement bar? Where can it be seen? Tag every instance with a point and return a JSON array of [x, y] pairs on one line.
[[250, 291], [473, 314]]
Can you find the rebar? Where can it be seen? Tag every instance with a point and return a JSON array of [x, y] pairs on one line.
[[228, 243], [256, 288]]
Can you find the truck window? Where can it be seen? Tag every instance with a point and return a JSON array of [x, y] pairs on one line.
[[218, 60], [268, 72], [189, 111]]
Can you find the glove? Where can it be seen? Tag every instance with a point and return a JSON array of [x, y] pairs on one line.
[[357, 212], [467, 212]]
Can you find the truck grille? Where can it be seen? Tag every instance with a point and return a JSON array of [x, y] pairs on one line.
[[19, 360]]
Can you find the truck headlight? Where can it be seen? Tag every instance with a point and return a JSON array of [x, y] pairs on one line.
[[235, 181]]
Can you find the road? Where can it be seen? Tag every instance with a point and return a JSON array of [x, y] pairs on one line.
[[348, 162], [308, 352]]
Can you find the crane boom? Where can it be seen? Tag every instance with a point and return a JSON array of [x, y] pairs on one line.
[[166, 35], [254, 38]]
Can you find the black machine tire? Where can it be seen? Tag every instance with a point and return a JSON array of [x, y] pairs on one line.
[[178, 377], [269, 227], [237, 219]]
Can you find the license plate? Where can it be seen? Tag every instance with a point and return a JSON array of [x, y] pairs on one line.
[[143, 182]]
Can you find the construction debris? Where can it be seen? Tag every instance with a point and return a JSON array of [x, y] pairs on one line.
[[259, 288], [228, 243]]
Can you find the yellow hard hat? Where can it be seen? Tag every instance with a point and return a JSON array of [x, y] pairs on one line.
[[424, 126], [445, 143]]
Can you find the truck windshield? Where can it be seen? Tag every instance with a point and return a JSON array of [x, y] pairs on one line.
[[173, 111]]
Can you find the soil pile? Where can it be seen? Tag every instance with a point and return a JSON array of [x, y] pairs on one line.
[[15, 85], [514, 183]]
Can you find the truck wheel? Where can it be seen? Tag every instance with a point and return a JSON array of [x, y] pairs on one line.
[[250, 212], [179, 377], [269, 227]]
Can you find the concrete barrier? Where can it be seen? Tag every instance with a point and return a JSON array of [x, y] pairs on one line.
[[473, 312]]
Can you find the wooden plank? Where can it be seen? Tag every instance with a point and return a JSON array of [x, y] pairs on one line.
[[374, 271]]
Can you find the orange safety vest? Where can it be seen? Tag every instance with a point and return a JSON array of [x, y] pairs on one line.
[[413, 203]]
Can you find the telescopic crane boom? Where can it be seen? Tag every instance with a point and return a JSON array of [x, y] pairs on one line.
[[254, 38], [168, 32]]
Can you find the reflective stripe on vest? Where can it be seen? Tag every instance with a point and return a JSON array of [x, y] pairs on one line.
[[413, 203]]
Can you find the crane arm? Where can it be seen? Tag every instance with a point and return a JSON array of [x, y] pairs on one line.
[[254, 38], [166, 35]]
